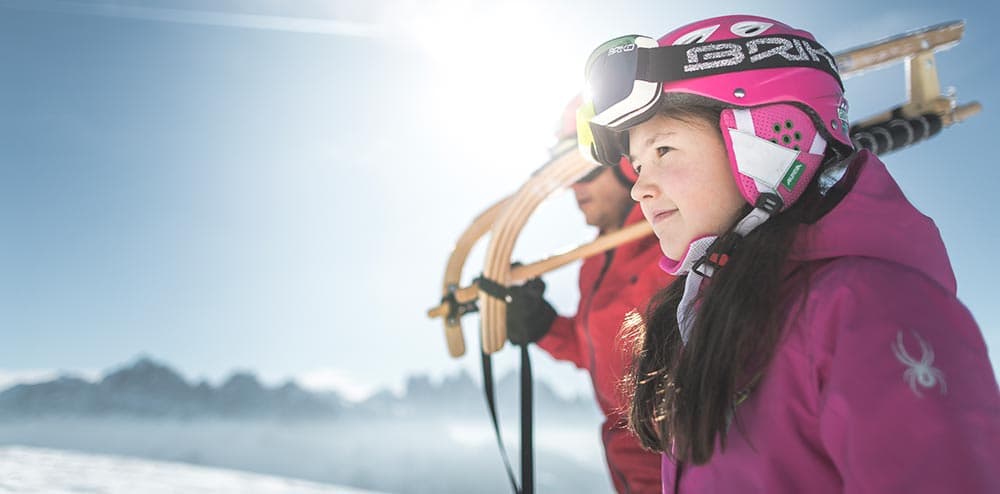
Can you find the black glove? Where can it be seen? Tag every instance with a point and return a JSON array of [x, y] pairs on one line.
[[529, 316]]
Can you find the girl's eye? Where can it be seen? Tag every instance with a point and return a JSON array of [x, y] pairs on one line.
[[662, 150]]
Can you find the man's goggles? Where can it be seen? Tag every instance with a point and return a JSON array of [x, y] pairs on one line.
[[625, 78]]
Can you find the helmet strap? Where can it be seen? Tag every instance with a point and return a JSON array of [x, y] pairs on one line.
[[715, 257]]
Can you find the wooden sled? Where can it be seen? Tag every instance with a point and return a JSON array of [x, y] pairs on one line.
[[505, 219], [927, 111]]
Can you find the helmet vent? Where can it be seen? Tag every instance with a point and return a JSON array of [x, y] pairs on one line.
[[777, 125], [697, 36], [747, 29]]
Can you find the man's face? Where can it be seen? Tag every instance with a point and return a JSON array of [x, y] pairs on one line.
[[604, 201]]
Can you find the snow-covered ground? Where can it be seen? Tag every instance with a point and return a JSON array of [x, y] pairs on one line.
[[434, 438], [402, 457], [51, 471]]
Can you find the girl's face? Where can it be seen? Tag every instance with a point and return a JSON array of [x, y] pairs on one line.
[[685, 186]]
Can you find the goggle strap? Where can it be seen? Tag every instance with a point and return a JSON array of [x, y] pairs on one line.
[[675, 63]]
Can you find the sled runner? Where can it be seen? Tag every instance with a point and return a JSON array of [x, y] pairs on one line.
[[452, 307], [887, 51]]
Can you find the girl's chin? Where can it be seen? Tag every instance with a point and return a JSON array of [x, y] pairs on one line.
[[672, 250]]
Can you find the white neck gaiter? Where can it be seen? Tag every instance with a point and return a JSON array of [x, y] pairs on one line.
[[685, 310], [697, 251]]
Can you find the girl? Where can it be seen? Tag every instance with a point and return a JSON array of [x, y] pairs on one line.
[[813, 341]]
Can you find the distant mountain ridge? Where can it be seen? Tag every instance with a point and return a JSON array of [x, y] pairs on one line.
[[150, 389]]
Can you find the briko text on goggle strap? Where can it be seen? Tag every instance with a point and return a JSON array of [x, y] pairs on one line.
[[674, 63]]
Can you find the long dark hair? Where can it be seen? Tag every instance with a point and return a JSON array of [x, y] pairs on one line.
[[683, 395]]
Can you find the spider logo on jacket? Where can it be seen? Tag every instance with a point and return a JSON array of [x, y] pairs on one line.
[[921, 372]]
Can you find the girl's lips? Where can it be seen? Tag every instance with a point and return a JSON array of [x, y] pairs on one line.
[[662, 214]]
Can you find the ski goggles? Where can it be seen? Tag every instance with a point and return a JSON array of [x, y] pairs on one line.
[[625, 78]]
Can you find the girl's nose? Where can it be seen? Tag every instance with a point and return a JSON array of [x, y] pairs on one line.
[[644, 188]]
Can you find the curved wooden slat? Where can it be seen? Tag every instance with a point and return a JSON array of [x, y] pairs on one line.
[[453, 272], [560, 173]]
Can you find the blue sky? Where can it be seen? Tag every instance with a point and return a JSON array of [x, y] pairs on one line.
[[276, 185]]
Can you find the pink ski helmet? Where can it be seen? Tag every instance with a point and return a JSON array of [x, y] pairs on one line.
[[784, 96]]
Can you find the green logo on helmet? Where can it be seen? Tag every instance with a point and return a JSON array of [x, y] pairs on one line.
[[793, 175]]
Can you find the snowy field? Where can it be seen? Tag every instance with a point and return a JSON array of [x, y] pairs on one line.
[[50, 471], [400, 457]]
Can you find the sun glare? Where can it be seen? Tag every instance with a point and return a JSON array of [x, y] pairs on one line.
[[497, 77]]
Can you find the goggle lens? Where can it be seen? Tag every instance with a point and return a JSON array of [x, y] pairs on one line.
[[610, 72]]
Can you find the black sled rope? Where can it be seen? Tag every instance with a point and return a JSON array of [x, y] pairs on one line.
[[527, 452], [897, 133]]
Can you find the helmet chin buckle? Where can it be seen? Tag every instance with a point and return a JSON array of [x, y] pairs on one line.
[[769, 202]]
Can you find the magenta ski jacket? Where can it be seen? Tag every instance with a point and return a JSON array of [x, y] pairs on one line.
[[881, 382]]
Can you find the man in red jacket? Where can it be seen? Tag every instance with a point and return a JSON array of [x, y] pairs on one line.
[[611, 285]]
